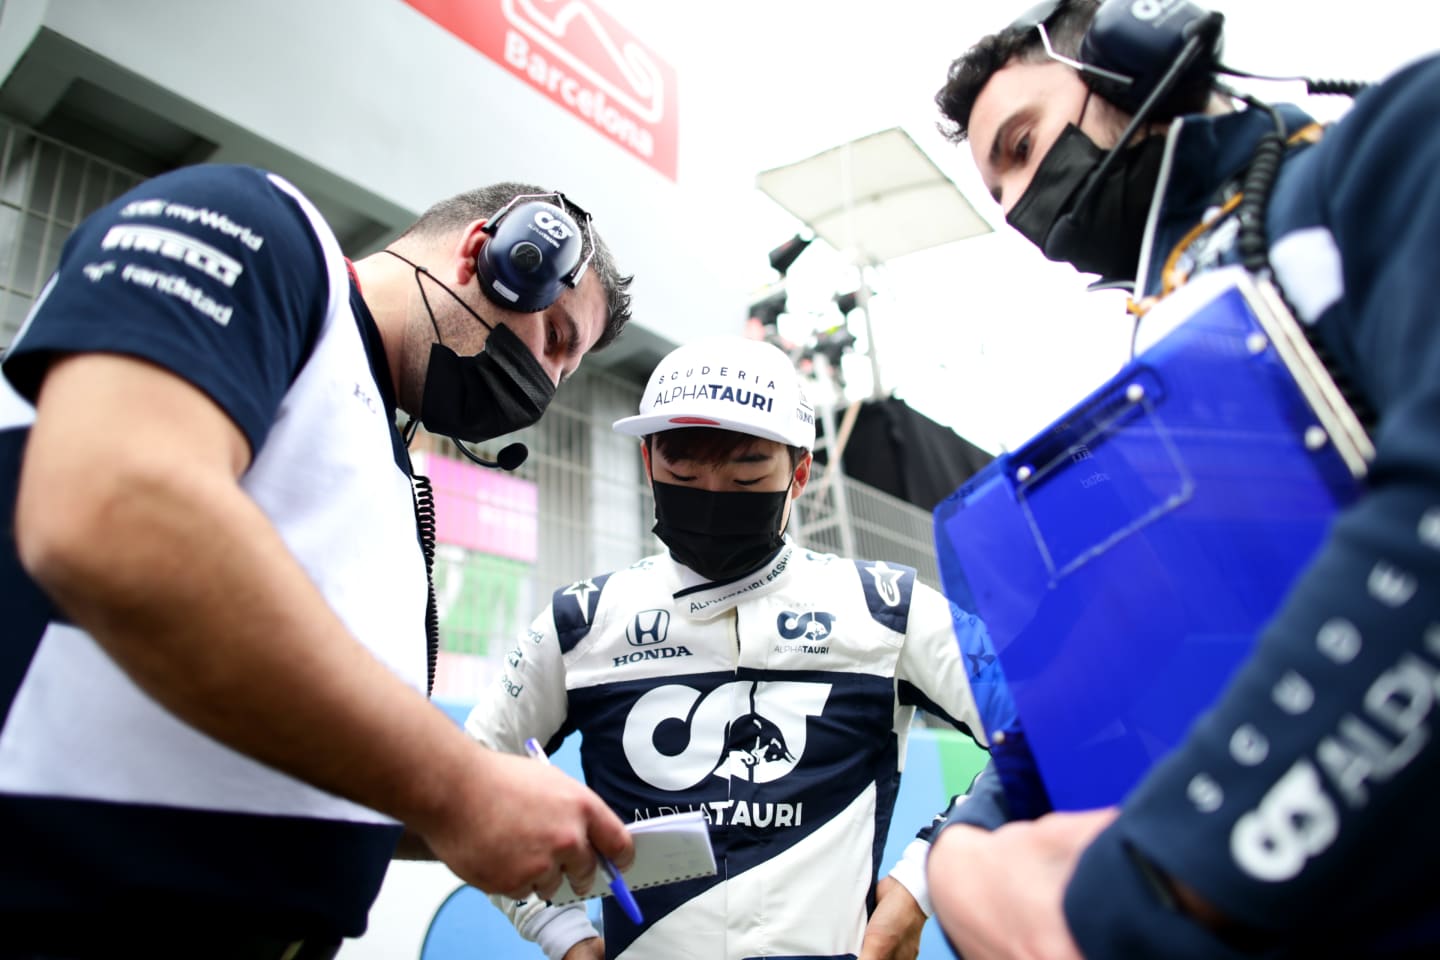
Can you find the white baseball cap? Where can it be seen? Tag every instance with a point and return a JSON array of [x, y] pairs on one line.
[[748, 386]]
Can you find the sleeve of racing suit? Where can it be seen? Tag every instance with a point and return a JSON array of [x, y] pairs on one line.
[[984, 805], [947, 667], [1301, 805], [528, 699]]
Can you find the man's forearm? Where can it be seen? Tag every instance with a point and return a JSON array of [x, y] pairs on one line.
[[184, 582], [1285, 810], [198, 600]]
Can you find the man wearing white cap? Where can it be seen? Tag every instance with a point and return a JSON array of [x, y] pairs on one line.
[[766, 686]]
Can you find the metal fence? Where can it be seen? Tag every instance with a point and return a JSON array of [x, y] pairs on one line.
[[589, 509], [46, 188], [881, 527]]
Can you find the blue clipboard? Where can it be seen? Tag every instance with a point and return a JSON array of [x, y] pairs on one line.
[[1126, 557]]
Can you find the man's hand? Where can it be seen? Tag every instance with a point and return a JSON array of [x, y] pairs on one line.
[[999, 895], [514, 826], [893, 932], [591, 949]]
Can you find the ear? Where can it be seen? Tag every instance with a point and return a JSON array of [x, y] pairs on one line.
[[802, 475], [645, 455], [467, 248]]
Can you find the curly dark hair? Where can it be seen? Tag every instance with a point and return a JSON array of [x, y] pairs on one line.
[[973, 69], [464, 208]]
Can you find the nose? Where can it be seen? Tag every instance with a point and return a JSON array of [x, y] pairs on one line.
[[533, 332], [1012, 188], [712, 482], [556, 371]]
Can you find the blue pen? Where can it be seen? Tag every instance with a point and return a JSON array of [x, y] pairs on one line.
[[622, 893]]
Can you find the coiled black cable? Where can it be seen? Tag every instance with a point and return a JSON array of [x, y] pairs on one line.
[[1255, 189], [1315, 88], [425, 521], [1254, 245], [1343, 88]]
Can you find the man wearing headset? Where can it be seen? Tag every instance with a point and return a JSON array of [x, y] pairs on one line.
[[213, 682], [1326, 844], [766, 686]]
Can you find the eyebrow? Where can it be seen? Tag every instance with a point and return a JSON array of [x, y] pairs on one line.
[[749, 456]]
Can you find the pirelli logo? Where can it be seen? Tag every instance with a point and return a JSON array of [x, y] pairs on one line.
[[174, 246]]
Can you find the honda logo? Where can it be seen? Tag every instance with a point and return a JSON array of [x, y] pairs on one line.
[[648, 628]]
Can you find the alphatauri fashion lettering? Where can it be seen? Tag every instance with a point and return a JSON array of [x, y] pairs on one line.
[[776, 706], [698, 603]]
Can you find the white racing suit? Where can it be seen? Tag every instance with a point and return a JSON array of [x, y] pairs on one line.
[[778, 704]]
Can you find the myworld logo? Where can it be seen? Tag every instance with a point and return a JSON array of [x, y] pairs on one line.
[[582, 59]]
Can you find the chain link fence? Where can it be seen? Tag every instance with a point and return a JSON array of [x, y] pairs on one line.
[[881, 527], [46, 189]]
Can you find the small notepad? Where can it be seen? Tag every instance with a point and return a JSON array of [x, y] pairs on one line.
[[668, 849]]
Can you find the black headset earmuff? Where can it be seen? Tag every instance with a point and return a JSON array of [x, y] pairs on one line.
[[1142, 40], [1131, 45], [535, 249]]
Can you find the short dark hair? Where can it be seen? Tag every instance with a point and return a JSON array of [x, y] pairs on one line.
[[973, 69], [708, 445], [454, 213]]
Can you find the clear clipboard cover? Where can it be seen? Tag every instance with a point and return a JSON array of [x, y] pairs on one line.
[[1125, 558]]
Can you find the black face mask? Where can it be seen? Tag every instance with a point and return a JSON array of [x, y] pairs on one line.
[[1105, 235], [720, 536], [497, 391]]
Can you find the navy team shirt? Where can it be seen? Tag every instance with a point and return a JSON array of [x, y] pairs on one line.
[[218, 275]]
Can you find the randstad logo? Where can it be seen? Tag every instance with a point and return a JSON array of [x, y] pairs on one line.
[[675, 737], [648, 627]]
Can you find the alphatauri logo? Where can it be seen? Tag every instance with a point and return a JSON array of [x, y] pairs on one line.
[[675, 737], [812, 625], [552, 226]]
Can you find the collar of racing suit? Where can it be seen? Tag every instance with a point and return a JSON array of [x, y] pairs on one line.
[[700, 599]]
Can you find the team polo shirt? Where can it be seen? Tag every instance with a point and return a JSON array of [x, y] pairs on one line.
[[227, 277]]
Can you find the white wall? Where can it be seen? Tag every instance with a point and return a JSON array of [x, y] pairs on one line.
[[374, 105]]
